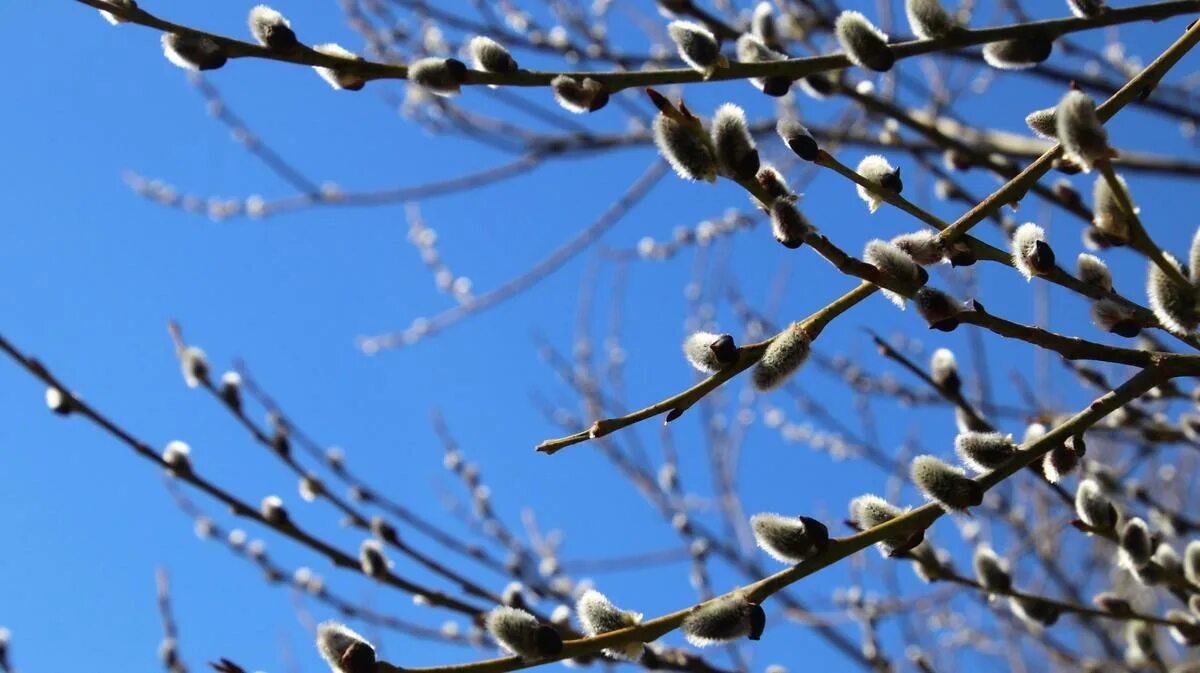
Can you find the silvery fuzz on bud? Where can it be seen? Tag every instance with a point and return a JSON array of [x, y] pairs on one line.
[[1140, 645], [579, 96], [272, 510], [773, 183], [1191, 562], [943, 370], [724, 619], [901, 275], [520, 633], [865, 45], [984, 451], [697, 46], [1018, 53], [178, 457], [489, 55], [271, 28], [709, 352], [1112, 603], [1035, 613], [113, 18], [194, 366], [1173, 305], [1083, 137], [344, 650], [928, 19], [945, 484], [372, 560], [1031, 254], [1093, 507], [231, 390], [682, 147], [1059, 462], [737, 156], [937, 308], [1135, 543], [598, 615], [1093, 271], [193, 52], [442, 76], [868, 511], [797, 138], [762, 24], [782, 357], [1115, 317], [1043, 124], [876, 169], [751, 49], [789, 539], [58, 401], [339, 79], [1107, 214], [789, 226], [1087, 9], [990, 571], [922, 246]]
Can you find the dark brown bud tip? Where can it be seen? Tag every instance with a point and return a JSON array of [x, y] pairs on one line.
[[902, 549], [817, 532], [457, 68], [1042, 258], [660, 101], [724, 349], [1126, 328], [776, 87], [599, 100], [977, 306], [548, 641], [947, 325], [805, 147], [758, 621], [673, 414], [358, 658], [892, 181]]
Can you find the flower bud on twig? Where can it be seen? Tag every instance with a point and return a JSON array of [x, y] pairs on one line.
[[681, 146], [344, 650], [789, 539], [113, 18], [1083, 137], [737, 156], [922, 246], [751, 49], [520, 633], [58, 401], [598, 615], [1112, 603], [1191, 562], [876, 169], [1135, 543], [710, 352], [489, 55], [339, 79], [868, 511], [1093, 271], [782, 357], [984, 451], [945, 484], [797, 138], [193, 52], [788, 224], [865, 45], [928, 19], [990, 571], [194, 365], [762, 24], [1031, 254], [271, 28], [442, 76], [1018, 53], [1087, 9], [1107, 214], [371, 558], [697, 46], [1035, 613], [178, 457], [937, 308], [1173, 305], [943, 370], [1116, 318], [724, 619], [1043, 124], [579, 96], [897, 268], [1093, 507]]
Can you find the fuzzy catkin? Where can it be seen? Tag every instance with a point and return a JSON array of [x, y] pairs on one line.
[[709, 352], [520, 633], [1107, 214], [680, 146], [928, 19], [788, 224], [271, 29], [697, 46], [1093, 271], [788, 539], [722, 620], [489, 55], [193, 52], [984, 451], [945, 484], [442, 76], [344, 650], [1078, 128], [782, 357], [1031, 255], [897, 268], [1018, 53], [865, 45], [598, 615], [876, 169], [737, 156], [990, 570], [1173, 304], [339, 79]]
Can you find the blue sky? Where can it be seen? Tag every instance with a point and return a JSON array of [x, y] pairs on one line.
[[92, 273]]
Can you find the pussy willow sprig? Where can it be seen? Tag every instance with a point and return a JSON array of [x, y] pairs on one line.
[[748, 355]]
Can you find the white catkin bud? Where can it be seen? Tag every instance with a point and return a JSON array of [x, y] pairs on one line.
[[896, 267], [868, 511], [762, 24], [697, 46], [922, 246], [520, 633], [1059, 462], [1093, 271], [782, 357], [722, 620], [273, 511], [789, 539], [344, 650], [1086, 9], [1115, 317], [1043, 124], [788, 225], [684, 150], [709, 352], [58, 401], [773, 182], [372, 560], [865, 45], [1107, 214], [231, 389], [751, 49], [1191, 562], [797, 138], [1018, 53], [937, 308], [1140, 646], [113, 18], [193, 52], [271, 28], [1168, 559], [598, 615], [1135, 543], [310, 488], [194, 365], [737, 156], [1173, 305], [579, 96], [928, 19], [178, 457], [990, 571], [442, 76], [339, 79], [945, 484], [489, 55], [1083, 137], [984, 451], [1093, 507], [876, 169], [1031, 254], [943, 370]]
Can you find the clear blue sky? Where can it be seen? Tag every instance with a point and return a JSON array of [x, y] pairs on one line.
[[91, 273]]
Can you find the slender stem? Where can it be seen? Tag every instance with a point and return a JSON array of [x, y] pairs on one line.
[[1140, 238]]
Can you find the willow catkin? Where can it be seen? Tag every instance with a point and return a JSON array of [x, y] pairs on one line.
[[865, 45], [782, 357], [928, 19], [737, 156], [271, 29]]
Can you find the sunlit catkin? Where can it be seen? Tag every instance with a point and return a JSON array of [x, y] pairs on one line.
[[709, 352], [737, 156], [984, 451], [1083, 137], [1043, 124], [680, 144], [943, 370], [489, 55], [113, 18], [1031, 254], [1107, 214], [1093, 507], [782, 357], [697, 46], [865, 45], [724, 619], [579, 95], [945, 484], [271, 29], [344, 650], [797, 138], [990, 571], [193, 52], [1018, 53], [901, 276], [1087, 9], [520, 633], [876, 169], [1135, 543], [336, 77], [442, 76], [868, 511], [598, 615], [1173, 303], [789, 539], [928, 19], [1093, 271]]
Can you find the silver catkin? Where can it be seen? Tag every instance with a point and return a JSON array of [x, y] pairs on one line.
[[876, 169], [688, 154], [1173, 304], [1093, 507], [489, 55], [897, 267], [271, 29], [442, 76], [1135, 543], [928, 19], [193, 52], [709, 352], [945, 484], [1078, 128], [865, 45], [984, 451], [737, 156], [697, 46], [868, 511], [990, 571], [1107, 214], [722, 620], [344, 650], [1018, 53], [751, 49], [520, 633], [598, 615], [1043, 123], [922, 246], [339, 79], [1031, 254], [1093, 271], [788, 539], [788, 224], [579, 95], [782, 357]]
